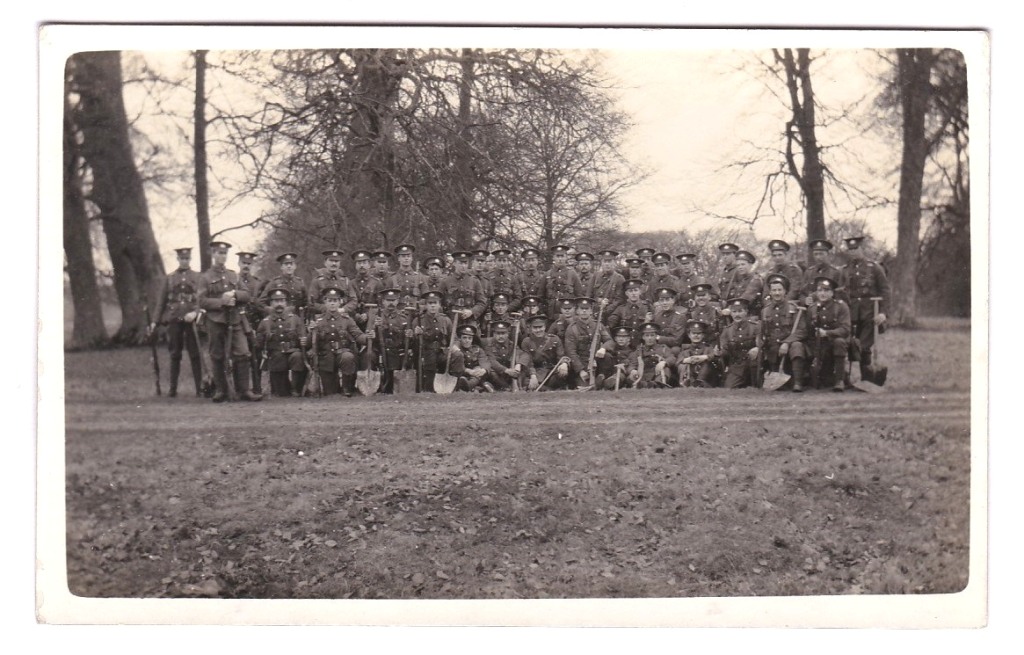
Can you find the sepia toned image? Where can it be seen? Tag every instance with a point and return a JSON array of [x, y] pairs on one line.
[[417, 326]]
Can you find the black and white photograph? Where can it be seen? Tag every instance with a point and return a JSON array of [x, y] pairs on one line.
[[490, 326]]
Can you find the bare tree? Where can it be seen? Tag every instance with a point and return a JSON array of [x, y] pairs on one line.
[[199, 150]]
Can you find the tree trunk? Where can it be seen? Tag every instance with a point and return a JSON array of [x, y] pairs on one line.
[[117, 188], [88, 331], [464, 153], [914, 71], [199, 148]]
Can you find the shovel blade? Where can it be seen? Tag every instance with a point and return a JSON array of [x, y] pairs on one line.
[[877, 374], [405, 382], [312, 386], [868, 387], [368, 382], [773, 380], [445, 384]]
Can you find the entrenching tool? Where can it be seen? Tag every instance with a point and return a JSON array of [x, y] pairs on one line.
[[773, 380], [595, 344], [516, 316], [444, 383], [876, 372], [551, 372], [368, 381], [313, 386], [404, 377], [205, 361]]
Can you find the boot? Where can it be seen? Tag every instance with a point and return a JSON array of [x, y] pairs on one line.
[[298, 383], [257, 378], [839, 374], [798, 374], [175, 372], [348, 385], [865, 363], [220, 381], [242, 376]]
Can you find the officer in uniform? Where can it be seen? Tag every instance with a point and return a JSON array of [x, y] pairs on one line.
[[177, 308], [464, 292], [829, 321], [394, 326], [671, 320], [862, 280], [608, 283], [578, 339], [288, 281], [282, 335], [365, 287], [502, 281], [783, 335], [615, 362], [545, 352], [531, 279], [406, 278], [634, 312], [740, 345], [658, 361], [781, 265], [220, 293], [820, 267], [253, 315], [561, 282], [698, 363], [662, 277], [469, 361], [707, 310], [337, 340], [435, 329], [727, 269], [745, 284], [508, 365]]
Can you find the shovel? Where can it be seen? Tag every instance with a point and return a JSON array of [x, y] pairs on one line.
[[865, 384], [405, 378], [368, 381], [444, 383], [877, 373], [773, 380]]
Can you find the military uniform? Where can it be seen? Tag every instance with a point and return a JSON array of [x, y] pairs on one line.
[[296, 288], [672, 322], [829, 351], [365, 289], [436, 332], [464, 291], [735, 342], [281, 336], [862, 280], [337, 340], [467, 359], [630, 315], [394, 324], [545, 354], [178, 297], [253, 313], [652, 356], [616, 359], [531, 283], [410, 283], [502, 358], [780, 326], [560, 283], [324, 279], [705, 374], [579, 338], [608, 285]]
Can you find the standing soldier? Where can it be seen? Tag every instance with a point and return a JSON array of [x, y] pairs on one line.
[[820, 267], [478, 267], [566, 317], [612, 369], [783, 334], [499, 312], [253, 315], [706, 310], [727, 269], [220, 293], [288, 281], [507, 363], [469, 361], [671, 320], [501, 280], [608, 283], [781, 265], [531, 279], [381, 267], [688, 276], [283, 336], [463, 291], [698, 363], [863, 279], [745, 284], [740, 345], [585, 271], [579, 337], [395, 327], [646, 256], [561, 282], [531, 307], [658, 361], [634, 312], [435, 275], [337, 339], [545, 353], [408, 280], [435, 329], [830, 333], [635, 271], [177, 308], [662, 277], [328, 276], [364, 288]]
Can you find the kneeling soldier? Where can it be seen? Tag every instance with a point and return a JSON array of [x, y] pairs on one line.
[[395, 328], [337, 339], [546, 354], [435, 329], [699, 364], [830, 327], [509, 367], [469, 361], [579, 338], [785, 329], [740, 345], [612, 368], [657, 361], [282, 335]]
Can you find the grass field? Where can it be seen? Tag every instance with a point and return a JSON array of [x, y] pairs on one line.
[[673, 493]]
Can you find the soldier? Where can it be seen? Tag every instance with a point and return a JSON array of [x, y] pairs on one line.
[[177, 308], [862, 280], [820, 267], [502, 281], [707, 310], [561, 282], [727, 269], [545, 353], [328, 276], [608, 283], [463, 291], [698, 364], [830, 331], [646, 256], [634, 312], [658, 361], [531, 307], [509, 368], [782, 334], [478, 266], [635, 271], [579, 337], [337, 339], [406, 278], [394, 325], [688, 276], [744, 283], [283, 336], [253, 315], [612, 368], [288, 281], [585, 271], [670, 319], [740, 345], [364, 288], [219, 294], [566, 317], [662, 277], [435, 275], [531, 279], [499, 312], [435, 329], [469, 361], [781, 265], [381, 267]]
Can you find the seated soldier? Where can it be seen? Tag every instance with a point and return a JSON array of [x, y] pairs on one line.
[[432, 329], [698, 363], [671, 320], [830, 333], [394, 327], [740, 346], [469, 361], [784, 329], [336, 339], [579, 340], [651, 366], [282, 335], [509, 368], [547, 356], [612, 368]]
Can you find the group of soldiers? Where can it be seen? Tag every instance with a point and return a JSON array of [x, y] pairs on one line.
[[591, 321]]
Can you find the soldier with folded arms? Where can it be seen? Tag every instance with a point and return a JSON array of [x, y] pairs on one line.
[[671, 319]]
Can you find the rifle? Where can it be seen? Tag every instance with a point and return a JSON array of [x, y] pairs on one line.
[[515, 349], [817, 363], [229, 363], [314, 385], [595, 340], [152, 348]]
